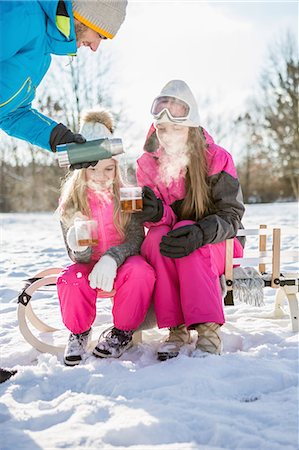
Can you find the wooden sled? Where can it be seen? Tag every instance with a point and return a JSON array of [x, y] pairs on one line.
[[26, 314]]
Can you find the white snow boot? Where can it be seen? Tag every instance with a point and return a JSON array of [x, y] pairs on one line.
[[76, 347]]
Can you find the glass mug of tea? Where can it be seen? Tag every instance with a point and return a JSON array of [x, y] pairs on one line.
[[86, 232], [131, 199]]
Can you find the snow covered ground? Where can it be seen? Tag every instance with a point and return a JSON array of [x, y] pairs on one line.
[[245, 399]]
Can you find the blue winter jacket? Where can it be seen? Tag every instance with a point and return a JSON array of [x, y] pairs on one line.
[[30, 31]]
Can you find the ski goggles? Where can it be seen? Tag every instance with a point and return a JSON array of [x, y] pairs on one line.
[[176, 109]]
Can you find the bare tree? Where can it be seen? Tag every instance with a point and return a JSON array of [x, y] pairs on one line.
[[31, 175], [270, 167], [280, 96], [75, 84]]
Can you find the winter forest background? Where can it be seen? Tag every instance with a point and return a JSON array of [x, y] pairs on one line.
[[262, 134]]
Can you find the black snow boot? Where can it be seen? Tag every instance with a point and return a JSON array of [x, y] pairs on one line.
[[113, 343]]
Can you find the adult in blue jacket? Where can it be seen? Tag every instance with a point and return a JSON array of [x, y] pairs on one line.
[[30, 32]]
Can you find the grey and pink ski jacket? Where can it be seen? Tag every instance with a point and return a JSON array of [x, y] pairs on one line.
[[224, 219], [110, 241]]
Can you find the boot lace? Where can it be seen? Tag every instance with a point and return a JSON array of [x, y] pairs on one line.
[[208, 337], [77, 342], [115, 337], [178, 334]]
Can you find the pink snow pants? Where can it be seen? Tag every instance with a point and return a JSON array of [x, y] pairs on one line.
[[187, 289], [134, 286]]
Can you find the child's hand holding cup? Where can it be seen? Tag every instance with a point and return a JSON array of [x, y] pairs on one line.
[[82, 234]]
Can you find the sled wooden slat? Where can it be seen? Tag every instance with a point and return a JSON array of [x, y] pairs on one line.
[[229, 251], [255, 231], [275, 258], [262, 248]]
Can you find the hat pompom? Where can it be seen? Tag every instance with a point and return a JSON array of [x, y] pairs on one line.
[[96, 124]]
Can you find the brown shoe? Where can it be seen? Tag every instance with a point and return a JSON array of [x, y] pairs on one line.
[[177, 338], [209, 339]]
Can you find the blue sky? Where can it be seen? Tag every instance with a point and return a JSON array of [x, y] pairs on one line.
[[218, 48]]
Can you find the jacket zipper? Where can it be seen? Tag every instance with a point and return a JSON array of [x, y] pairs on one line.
[[27, 81], [102, 229]]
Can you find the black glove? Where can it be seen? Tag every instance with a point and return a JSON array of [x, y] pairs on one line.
[[152, 207], [62, 135], [182, 241], [83, 165]]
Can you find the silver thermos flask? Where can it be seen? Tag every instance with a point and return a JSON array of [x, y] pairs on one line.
[[90, 151]]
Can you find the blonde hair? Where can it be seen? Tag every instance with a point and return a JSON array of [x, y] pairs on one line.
[[73, 199], [196, 203]]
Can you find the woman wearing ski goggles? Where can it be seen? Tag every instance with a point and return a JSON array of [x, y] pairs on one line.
[[176, 109]]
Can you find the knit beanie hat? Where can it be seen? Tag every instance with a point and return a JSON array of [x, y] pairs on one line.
[[96, 124], [180, 90], [103, 16]]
